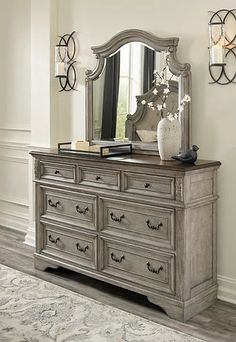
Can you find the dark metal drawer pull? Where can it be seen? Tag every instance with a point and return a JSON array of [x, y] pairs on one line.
[[154, 227], [57, 172], [147, 185], [114, 258], [50, 238], [80, 249], [81, 211], [152, 269], [116, 219], [98, 178], [54, 205]]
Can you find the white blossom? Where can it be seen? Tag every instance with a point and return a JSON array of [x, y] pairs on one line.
[[155, 91], [162, 83], [186, 98]]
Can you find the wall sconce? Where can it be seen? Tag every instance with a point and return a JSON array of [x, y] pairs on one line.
[[222, 44], [64, 62]]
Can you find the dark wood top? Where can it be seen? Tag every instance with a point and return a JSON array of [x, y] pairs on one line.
[[149, 161]]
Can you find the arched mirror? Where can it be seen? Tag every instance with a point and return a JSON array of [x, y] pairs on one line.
[[124, 79]]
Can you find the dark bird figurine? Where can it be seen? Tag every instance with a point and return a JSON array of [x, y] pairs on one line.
[[190, 156]]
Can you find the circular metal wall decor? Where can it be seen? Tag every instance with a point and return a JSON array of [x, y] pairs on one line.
[[222, 69], [65, 62]]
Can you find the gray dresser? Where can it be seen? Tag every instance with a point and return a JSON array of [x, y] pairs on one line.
[[133, 221]]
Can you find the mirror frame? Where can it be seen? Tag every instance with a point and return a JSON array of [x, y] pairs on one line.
[[182, 70]]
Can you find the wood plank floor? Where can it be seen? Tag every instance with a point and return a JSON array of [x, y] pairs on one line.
[[216, 324]]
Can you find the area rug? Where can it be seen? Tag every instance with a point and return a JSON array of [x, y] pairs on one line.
[[33, 310]]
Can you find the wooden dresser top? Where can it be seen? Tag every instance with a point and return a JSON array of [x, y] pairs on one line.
[[148, 161]]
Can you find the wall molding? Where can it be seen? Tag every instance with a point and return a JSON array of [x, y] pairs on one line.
[[15, 135], [15, 152], [227, 289], [14, 214], [13, 222], [13, 200]]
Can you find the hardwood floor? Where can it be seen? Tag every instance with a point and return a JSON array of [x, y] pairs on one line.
[[216, 324]]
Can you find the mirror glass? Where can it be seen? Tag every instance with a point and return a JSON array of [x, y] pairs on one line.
[[126, 97], [126, 79]]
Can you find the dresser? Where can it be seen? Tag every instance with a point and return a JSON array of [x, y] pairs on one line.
[[133, 221]]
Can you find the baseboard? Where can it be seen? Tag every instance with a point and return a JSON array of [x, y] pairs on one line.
[[227, 289], [30, 236], [12, 233]]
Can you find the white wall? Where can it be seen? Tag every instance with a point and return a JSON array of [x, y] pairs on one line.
[[14, 112], [213, 106]]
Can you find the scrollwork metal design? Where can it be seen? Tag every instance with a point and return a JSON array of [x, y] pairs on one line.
[[219, 73], [68, 82], [116, 259], [81, 249], [115, 218], [154, 270]]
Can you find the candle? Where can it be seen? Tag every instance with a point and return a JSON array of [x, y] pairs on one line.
[[60, 69], [217, 54]]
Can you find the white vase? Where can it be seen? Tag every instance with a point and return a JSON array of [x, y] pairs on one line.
[[169, 138]]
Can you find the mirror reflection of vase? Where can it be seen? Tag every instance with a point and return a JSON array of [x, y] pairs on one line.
[[169, 138]]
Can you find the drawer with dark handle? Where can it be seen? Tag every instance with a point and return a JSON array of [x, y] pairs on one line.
[[151, 269], [153, 225], [78, 248], [59, 172], [69, 207], [100, 178], [158, 186]]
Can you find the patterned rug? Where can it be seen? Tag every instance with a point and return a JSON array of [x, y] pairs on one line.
[[33, 310]]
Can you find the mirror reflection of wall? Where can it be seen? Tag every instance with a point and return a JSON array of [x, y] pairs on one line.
[[127, 74]]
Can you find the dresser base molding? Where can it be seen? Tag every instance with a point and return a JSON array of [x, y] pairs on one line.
[[183, 311], [176, 309]]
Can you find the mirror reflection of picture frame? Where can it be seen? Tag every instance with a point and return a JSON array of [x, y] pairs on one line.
[[102, 127]]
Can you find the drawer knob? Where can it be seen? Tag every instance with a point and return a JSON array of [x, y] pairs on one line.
[[115, 218], [147, 185], [57, 172], [114, 258], [81, 249], [150, 226], [154, 270], [50, 238], [81, 211], [53, 205], [98, 178]]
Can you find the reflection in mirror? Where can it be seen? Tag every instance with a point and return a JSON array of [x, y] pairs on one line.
[[121, 86], [128, 75]]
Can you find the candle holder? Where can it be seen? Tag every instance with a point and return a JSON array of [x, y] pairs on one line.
[[222, 44], [65, 62]]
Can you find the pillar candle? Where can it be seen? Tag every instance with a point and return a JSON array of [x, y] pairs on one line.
[[60, 69], [217, 54]]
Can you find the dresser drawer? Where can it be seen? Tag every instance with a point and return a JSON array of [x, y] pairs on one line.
[[144, 223], [59, 172], [99, 178], [78, 248], [147, 185], [137, 265], [70, 207]]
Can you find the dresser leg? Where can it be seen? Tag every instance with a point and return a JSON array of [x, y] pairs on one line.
[[173, 310], [42, 265], [183, 311]]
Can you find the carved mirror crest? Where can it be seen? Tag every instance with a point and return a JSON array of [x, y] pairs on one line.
[[123, 78]]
